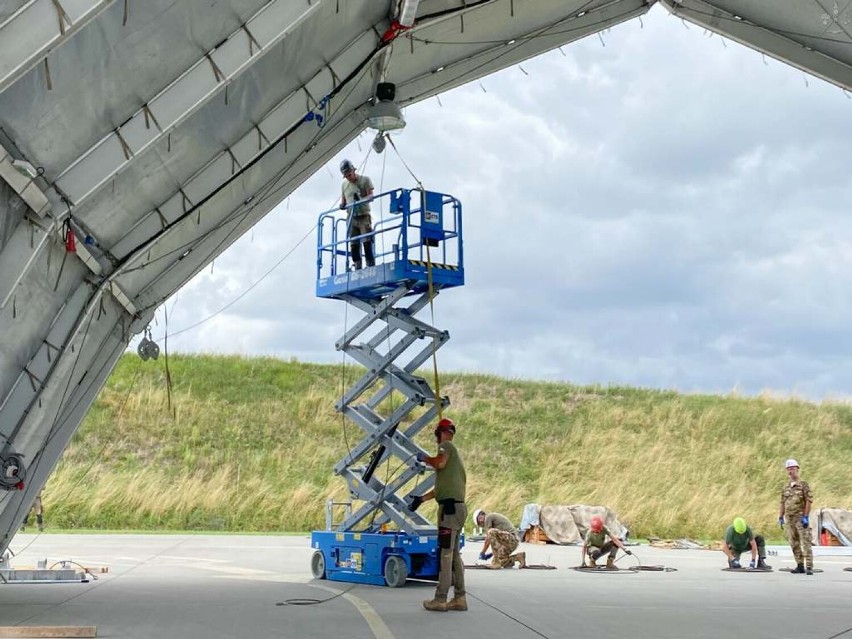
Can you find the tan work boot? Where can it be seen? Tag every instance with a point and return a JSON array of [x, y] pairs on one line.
[[590, 563], [610, 562], [521, 558], [457, 603], [436, 605]]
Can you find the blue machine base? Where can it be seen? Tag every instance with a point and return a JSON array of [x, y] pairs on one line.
[[362, 557]]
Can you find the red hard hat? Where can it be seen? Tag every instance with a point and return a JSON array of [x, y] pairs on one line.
[[596, 524], [447, 425]]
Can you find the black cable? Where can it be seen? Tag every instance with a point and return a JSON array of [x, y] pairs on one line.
[[96, 457], [506, 50], [361, 67], [299, 601], [776, 30], [89, 590], [506, 614], [265, 192]]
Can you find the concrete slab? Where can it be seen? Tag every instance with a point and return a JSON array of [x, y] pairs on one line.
[[229, 586]]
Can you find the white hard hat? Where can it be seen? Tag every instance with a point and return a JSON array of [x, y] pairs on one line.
[[790, 463], [476, 514]]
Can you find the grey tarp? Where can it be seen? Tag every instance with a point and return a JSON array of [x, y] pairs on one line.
[[568, 524]]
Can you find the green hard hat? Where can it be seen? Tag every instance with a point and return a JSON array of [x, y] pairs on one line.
[[740, 525]]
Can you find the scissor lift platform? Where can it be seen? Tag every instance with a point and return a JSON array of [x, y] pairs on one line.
[[418, 251], [422, 229]]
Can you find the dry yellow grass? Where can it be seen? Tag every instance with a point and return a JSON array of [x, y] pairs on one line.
[[250, 445]]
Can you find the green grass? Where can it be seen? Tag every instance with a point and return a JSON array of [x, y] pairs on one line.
[[248, 445]]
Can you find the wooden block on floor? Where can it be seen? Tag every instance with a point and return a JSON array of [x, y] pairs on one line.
[[48, 631]]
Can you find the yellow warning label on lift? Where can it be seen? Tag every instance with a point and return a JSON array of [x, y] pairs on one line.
[[448, 267], [339, 537]]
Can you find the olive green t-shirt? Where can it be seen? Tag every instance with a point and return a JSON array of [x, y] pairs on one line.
[[739, 542], [597, 539], [451, 480], [498, 521]]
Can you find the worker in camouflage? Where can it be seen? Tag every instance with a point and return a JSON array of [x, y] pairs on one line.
[[796, 502], [502, 537], [38, 510], [596, 545]]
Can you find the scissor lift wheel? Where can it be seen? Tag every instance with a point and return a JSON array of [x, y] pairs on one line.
[[318, 565], [396, 571]]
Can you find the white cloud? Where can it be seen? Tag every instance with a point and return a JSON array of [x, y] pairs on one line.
[[662, 211]]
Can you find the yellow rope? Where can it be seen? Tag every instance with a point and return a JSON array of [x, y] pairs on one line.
[[434, 357]]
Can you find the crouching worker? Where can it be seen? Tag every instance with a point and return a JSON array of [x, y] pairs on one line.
[[738, 539], [501, 537], [598, 542]]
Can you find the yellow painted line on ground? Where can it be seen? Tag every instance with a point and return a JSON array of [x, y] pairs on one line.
[[373, 619]]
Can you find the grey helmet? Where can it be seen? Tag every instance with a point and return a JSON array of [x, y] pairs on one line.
[[346, 166]]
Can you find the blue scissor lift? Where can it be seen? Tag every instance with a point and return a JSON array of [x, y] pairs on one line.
[[418, 251]]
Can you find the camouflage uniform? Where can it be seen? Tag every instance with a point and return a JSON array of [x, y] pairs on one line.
[[503, 539], [38, 509], [794, 497]]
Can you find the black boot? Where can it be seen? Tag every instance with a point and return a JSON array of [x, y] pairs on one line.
[[799, 569], [809, 571], [761, 563]]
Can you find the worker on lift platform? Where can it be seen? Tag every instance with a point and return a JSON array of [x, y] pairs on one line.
[[356, 188]]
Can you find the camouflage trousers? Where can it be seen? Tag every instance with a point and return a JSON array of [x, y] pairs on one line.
[[799, 538], [38, 510], [596, 553], [503, 544]]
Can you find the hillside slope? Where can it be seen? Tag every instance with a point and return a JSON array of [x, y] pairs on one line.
[[249, 445]]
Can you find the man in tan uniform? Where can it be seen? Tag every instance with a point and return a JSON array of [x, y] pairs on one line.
[[449, 491], [38, 509], [796, 505], [502, 537]]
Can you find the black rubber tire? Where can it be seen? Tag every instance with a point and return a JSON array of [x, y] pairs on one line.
[[396, 571], [318, 565]]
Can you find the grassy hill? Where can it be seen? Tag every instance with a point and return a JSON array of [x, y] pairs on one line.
[[249, 445]]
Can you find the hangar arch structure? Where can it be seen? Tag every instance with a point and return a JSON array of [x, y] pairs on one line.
[[139, 139]]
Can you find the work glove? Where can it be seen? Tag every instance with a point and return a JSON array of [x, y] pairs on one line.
[[734, 563], [416, 500], [751, 564], [421, 456], [781, 521], [805, 521], [485, 557]]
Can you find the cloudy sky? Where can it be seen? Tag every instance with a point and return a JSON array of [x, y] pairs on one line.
[[655, 207]]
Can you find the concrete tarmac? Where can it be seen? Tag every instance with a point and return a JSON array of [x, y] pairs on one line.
[[217, 586]]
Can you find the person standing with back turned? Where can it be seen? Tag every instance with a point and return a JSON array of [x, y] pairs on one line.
[[796, 501], [449, 491]]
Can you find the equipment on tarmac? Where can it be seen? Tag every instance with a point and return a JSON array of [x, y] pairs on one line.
[[382, 539]]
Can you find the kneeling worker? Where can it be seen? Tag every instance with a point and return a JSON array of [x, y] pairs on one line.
[[596, 544], [738, 539], [502, 538]]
